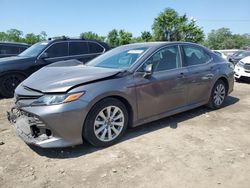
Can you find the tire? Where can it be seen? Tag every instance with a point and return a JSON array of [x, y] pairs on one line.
[[218, 95], [102, 128], [8, 84]]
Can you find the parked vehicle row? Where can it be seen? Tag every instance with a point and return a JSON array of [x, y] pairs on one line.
[[237, 56], [15, 69], [67, 102], [8, 49]]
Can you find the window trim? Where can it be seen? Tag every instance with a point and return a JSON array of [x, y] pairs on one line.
[[156, 51], [199, 47], [38, 57], [104, 49], [77, 54]]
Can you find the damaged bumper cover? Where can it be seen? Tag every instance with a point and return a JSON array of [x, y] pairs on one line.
[[48, 126]]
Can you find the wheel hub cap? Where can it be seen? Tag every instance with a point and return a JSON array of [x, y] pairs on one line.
[[219, 94], [109, 123]]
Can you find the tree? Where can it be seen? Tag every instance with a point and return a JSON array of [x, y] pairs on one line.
[[169, 26], [113, 38], [15, 35], [223, 38], [124, 37], [43, 36], [92, 36], [3, 36], [31, 38], [146, 36]]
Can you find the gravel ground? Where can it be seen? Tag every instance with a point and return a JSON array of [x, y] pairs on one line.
[[198, 148]]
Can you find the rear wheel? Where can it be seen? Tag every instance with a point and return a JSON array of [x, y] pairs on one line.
[[8, 84], [106, 123], [218, 95]]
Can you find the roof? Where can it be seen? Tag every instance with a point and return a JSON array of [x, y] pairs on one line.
[[157, 44]]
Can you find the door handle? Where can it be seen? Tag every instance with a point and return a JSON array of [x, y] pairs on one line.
[[181, 75], [210, 76]]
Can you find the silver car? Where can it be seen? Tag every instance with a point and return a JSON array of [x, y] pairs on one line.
[[68, 102]]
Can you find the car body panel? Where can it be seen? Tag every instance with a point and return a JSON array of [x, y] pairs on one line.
[[147, 99]]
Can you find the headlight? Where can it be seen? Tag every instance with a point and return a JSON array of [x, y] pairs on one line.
[[56, 99], [240, 64]]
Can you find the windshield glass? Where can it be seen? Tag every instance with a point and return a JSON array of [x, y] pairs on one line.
[[34, 50], [118, 58]]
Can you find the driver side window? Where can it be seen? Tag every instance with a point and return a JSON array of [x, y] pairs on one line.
[[58, 50], [165, 59]]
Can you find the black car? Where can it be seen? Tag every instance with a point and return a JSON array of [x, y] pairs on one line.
[[8, 49], [237, 56], [13, 70]]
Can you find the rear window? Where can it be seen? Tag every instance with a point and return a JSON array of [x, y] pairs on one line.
[[9, 49], [78, 48], [95, 48], [22, 48]]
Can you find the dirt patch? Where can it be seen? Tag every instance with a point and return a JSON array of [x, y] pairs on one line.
[[198, 148]]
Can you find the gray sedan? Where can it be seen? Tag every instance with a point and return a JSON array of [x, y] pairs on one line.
[[68, 102]]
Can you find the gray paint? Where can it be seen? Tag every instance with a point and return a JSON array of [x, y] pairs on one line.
[[164, 94]]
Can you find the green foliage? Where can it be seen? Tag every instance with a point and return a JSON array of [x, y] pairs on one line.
[[15, 35], [125, 37], [113, 38], [146, 36], [223, 38], [169, 26], [116, 38], [92, 36]]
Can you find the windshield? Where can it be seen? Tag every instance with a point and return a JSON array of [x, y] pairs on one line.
[[118, 58], [34, 50]]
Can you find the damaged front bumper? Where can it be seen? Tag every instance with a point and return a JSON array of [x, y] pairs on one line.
[[32, 130], [49, 126]]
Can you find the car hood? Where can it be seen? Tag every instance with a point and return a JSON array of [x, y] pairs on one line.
[[62, 76], [14, 59]]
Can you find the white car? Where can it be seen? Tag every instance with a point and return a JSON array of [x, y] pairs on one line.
[[220, 54], [242, 68]]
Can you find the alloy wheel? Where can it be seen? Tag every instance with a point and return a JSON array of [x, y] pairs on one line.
[[219, 94], [109, 123]]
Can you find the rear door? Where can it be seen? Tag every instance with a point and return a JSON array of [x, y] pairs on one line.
[[79, 50], [166, 89], [200, 73]]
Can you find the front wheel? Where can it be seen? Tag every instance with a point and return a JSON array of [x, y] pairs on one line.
[[106, 123], [218, 95]]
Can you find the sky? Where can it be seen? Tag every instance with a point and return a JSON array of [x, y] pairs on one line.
[[72, 17]]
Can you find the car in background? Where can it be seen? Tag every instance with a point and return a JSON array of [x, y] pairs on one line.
[[242, 69], [220, 54], [13, 70], [237, 56], [62, 105], [8, 49]]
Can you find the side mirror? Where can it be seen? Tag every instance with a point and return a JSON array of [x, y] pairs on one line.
[[44, 55], [148, 71]]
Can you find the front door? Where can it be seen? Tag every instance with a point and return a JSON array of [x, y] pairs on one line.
[[165, 90], [56, 52]]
